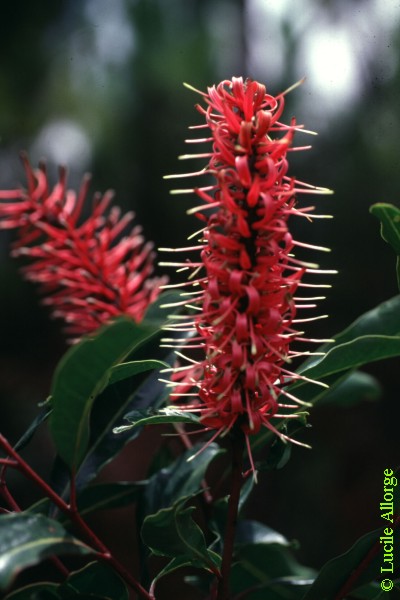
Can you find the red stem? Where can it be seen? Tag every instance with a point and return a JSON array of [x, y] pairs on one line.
[[72, 512], [368, 558], [238, 442]]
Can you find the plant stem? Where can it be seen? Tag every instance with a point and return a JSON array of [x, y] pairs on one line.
[[238, 442], [73, 514], [356, 574]]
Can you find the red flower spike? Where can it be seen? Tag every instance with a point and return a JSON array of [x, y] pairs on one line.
[[245, 303], [86, 270]]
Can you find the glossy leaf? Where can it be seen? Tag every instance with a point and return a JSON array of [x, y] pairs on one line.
[[174, 565], [96, 579], [373, 336], [107, 413], [27, 539], [264, 557], [383, 320], [354, 354], [39, 591], [373, 591], [81, 375], [351, 390], [389, 217], [157, 312], [281, 588], [133, 367], [138, 392], [172, 532], [335, 573], [254, 532], [109, 495], [181, 479], [41, 417], [139, 418]]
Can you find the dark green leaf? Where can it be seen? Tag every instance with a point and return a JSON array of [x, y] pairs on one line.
[[389, 217], [278, 455], [128, 369], [139, 418], [40, 418], [267, 562], [383, 320], [37, 591], [107, 413], [337, 571], [373, 591], [157, 313], [253, 532], [81, 376], [109, 495], [174, 565], [172, 532], [351, 390], [354, 354], [282, 588], [27, 539], [97, 579], [181, 479]]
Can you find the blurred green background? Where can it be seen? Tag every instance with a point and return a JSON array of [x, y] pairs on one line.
[[97, 85]]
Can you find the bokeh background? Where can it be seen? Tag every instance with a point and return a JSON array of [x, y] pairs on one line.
[[97, 85]]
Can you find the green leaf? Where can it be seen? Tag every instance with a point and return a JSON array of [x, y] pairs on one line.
[[373, 336], [335, 573], [149, 416], [158, 313], [172, 532], [36, 591], [27, 539], [97, 579], [40, 418], [128, 369], [174, 565], [254, 532], [109, 495], [108, 410], [372, 591], [81, 375], [267, 561], [181, 479], [383, 320], [389, 217], [351, 390], [353, 354], [282, 588]]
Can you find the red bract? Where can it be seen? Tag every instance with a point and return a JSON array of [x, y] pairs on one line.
[[87, 271], [245, 301]]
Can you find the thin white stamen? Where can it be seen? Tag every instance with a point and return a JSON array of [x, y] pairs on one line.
[[196, 209], [191, 190], [184, 265], [311, 246], [182, 175], [187, 249], [189, 156], [304, 378], [199, 140], [193, 89], [310, 319], [190, 237]]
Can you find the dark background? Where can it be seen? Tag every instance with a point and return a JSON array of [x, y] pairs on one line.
[[97, 85]]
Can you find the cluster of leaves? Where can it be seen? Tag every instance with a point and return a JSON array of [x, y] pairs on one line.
[[103, 382]]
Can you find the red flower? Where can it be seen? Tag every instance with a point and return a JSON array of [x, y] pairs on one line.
[[246, 301], [87, 271]]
